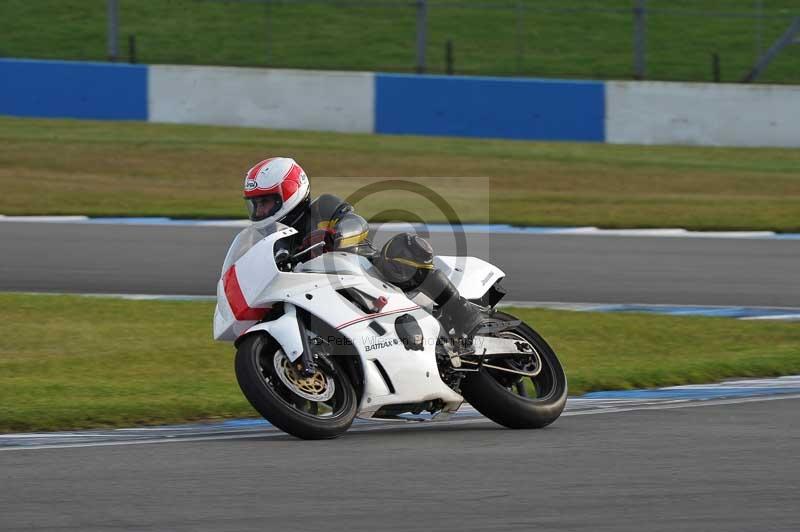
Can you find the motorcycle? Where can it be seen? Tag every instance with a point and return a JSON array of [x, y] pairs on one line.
[[321, 340]]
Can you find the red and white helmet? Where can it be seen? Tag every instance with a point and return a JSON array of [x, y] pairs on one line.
[[275, 188]]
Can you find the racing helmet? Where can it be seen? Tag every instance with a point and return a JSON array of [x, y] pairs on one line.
[[276, 189]]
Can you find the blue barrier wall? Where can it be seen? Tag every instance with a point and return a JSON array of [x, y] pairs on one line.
[[490, 107], [635, 112], [73, 90]]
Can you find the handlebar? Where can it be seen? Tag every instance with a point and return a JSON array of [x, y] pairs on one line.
[[282, 255], [309, 248]]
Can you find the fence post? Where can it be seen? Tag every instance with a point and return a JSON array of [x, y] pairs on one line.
[[112, 42], [520, 36], [759, 28], [268, 30], [640, 39], [448, 57], [132, 48], [422, 34], [716, 71]]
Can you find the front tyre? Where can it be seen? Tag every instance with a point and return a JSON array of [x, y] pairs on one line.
[[318, 407], [515, 401]]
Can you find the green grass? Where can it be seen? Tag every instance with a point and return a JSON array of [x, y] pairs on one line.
[[76, 362], [537, 38], [139, 169]]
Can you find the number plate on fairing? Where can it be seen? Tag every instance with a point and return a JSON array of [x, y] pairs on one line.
[[491, 346]]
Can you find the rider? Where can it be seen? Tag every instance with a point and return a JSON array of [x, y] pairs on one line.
[[278, 189]]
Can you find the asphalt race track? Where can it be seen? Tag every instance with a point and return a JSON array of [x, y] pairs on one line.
[[708, 468], [705, 465], [63, 257]]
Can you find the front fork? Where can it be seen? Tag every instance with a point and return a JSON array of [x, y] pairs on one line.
[[304, 365]]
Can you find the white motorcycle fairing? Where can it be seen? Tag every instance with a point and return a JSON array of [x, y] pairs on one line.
[[471, 276], [392, 374]]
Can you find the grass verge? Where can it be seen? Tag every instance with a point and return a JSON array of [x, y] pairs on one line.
[[525, 37], [75, 362], [138, 169]]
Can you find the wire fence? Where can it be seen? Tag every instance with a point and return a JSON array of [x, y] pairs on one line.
[[695, 40]]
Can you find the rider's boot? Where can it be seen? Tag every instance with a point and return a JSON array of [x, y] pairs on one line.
[[460, 318]]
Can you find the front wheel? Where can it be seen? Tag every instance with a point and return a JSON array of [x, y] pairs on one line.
[[318, 407], [511, 399]]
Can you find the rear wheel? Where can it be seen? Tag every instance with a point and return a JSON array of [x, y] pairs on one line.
[[317, 407], [514, 400]]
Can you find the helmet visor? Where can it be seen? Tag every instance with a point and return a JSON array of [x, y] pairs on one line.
[[261, 207]]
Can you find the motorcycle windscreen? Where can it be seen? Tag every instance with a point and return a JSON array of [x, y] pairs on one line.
[[245, 274], [247, 238]]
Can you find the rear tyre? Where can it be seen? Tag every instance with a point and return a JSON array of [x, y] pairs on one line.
[[515, 401], [322, 406]]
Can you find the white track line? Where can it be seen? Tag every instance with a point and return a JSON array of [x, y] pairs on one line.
[[274, 433], [558, 305], [736, 312], [669, 232]]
